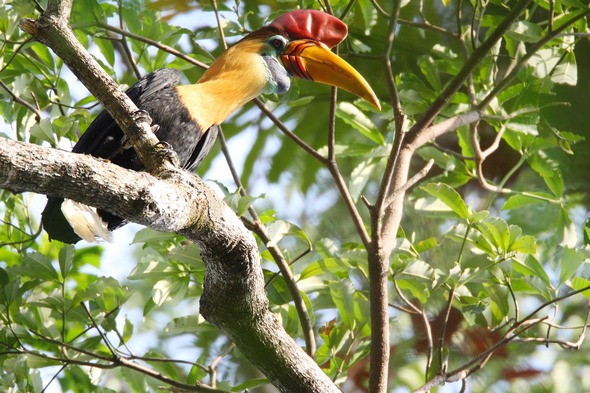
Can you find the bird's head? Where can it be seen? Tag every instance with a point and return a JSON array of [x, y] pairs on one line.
[[296, 44]]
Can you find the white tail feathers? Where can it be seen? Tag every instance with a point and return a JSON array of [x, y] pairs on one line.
[[85, 221]]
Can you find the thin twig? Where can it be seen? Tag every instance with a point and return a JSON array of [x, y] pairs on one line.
[[421, 174], [125, 45], [285, 130], [442, 364], [15, 52], [414, 309], [106, 341], [430, 354], [512, 334], [219, 26], [153, 43], [213, 366], [19, 100]]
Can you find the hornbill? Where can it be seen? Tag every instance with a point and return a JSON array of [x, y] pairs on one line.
[[296, 44]]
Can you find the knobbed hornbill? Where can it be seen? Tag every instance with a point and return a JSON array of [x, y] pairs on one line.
[[296, 44]]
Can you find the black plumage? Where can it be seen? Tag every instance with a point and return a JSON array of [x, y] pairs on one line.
[[156, 94]]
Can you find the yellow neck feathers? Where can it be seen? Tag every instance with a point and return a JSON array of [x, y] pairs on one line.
[[236, 77]]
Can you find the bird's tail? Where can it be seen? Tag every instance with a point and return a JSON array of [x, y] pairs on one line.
[[69, 221]]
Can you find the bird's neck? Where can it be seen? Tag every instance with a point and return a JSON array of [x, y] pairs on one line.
[[235, 78]]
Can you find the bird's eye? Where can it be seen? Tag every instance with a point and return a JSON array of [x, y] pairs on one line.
[[277, 42]]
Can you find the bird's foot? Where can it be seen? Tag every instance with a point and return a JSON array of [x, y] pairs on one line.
[[126, 142], [166, 152], [142, 115]]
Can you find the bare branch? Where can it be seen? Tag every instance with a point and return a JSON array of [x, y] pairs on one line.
[[445, 126], [421, 174]]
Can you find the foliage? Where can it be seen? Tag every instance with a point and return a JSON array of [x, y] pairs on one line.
[[491, 260]]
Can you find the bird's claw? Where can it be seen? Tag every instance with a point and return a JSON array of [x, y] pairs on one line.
[[165, 151], [141, 115], [125, 142]]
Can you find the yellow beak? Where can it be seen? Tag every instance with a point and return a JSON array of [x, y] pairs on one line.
[[312, 60]]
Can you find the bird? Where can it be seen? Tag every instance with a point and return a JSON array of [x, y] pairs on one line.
[[186, 117]]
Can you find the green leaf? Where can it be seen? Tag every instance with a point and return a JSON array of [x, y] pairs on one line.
[[525, 31], [183, 325], [496, 232], [40, 362], [106, 49], [4, 280], [170, 291], [579, 283], [250, 384], [555, 183], [499, 297], [445, 161], [44, 55], [151, 235], [279, 229], [418, 289], [342, 293], [425, 245], [524, 244], [449, 197], [360, 176], [362, 310], [531, 267], [566, 72], [300, 101], [323, 266], [544, 61], [430, 71], [478, 216], [37, 265], [239, 203], [127, 331], [571, 260], [353, 116], [518, 200], [188, 254], [66, 257], [523, 128], [152, 268], [43, 131]]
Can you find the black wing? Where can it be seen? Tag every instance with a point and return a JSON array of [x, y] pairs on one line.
[[103, 137], [155, 93]]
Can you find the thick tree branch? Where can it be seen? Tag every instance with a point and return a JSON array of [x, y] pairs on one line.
[[233, 292]]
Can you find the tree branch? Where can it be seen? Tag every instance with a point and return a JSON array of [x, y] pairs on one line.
[[233, 292]]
